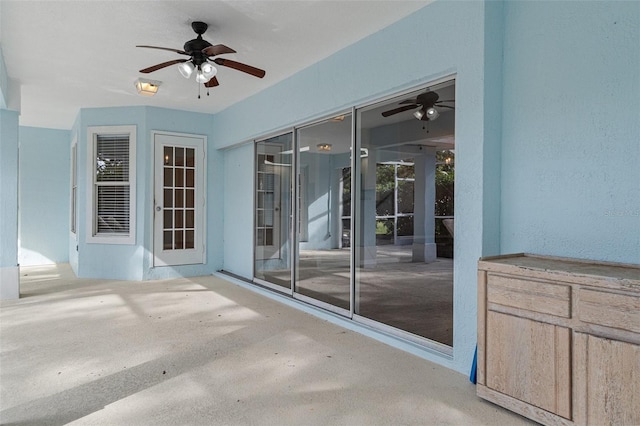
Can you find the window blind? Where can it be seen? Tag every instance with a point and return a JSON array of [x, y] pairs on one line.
[[112, 186]]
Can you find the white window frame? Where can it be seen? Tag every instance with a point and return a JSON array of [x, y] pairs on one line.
[[73, 207], [92, 136]]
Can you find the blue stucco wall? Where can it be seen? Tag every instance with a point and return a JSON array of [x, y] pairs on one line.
[[44, 187], [238, 210], [571, 130], [9, 270], [399, 57], [134, 262], [8, 188], [4, 82]]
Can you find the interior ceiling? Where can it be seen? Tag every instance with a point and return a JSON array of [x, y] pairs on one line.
[[67, 55]]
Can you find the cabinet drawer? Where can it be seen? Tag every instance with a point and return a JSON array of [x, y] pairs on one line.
[[531, 295], [608, 309]]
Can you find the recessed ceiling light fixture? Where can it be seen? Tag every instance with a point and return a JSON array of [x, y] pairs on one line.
[[147, 87]]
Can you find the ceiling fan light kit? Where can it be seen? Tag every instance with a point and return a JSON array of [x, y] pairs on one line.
[[426, 102], [201, 52]]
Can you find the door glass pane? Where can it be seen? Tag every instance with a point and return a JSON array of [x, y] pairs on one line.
[[191, 157], [178, 240], [191, 179], [404, 226], [179, 197], [168, 176], [179, 221], [189, 239], [168, 156], [179, 152], [167, 241], [272, 262], [179, 176], [323, 261], [191, 200], [190, 218]]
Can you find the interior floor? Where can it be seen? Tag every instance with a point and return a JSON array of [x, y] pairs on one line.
[[415, 297], [204, 350]]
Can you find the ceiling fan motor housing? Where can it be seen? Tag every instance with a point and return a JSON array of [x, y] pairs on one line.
[[197, 45], [194, 48], [199, 27], [427, 99]]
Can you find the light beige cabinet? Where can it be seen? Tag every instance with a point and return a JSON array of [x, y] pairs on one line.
[[559, 339]]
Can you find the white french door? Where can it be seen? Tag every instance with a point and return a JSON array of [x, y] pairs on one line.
[[179, 199]]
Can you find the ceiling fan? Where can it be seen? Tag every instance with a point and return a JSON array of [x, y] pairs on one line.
[[427, 102], [200, 54]]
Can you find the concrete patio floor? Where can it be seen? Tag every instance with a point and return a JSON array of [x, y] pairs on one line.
[[205, 351]]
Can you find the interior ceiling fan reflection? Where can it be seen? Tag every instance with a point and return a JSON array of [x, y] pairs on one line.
[[201, 55], [426, 102]]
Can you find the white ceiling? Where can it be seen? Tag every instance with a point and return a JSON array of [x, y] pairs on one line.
[[67, 55]]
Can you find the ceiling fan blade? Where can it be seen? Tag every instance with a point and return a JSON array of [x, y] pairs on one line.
[[218, 49], [408, 101], [257, 72], [212, 83], [182, 52], [162, 65], [444, 106], [450, 100], [399, 109]]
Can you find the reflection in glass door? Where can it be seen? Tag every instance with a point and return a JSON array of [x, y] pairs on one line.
[[404, 214], [324, 256], [273, 211]]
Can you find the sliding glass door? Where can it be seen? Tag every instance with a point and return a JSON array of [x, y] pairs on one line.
[[355, 214], [324, 248], [404, 241]]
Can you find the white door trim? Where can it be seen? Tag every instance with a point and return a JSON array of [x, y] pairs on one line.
[[197, 254]]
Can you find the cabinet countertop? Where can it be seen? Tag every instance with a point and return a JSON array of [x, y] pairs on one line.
[[599, 274]]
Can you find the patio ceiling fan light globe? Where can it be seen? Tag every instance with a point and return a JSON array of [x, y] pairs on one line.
[[208, 70], [186, 69], [432, 113], [200, 77]]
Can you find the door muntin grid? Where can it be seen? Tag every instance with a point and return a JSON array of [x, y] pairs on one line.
[[179, 198]]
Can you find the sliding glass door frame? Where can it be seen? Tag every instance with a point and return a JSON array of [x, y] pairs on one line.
[[355, 226], [296, 220], [280, 289]]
